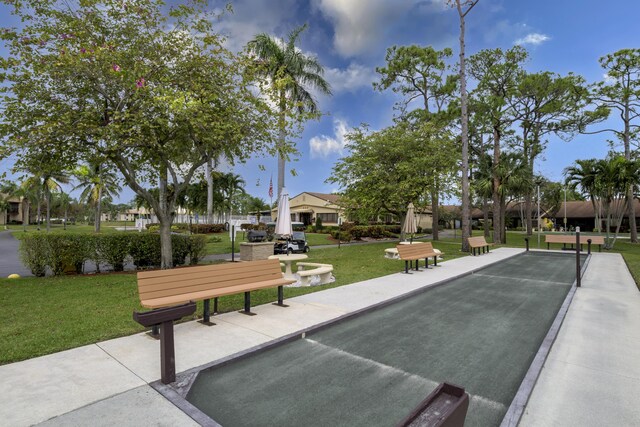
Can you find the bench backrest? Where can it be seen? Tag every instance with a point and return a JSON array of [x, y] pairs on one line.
[[569, 239], [477, 241], [408, 251], [179, 281]]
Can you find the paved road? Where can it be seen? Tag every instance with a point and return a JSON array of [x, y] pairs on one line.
[[9, 256]]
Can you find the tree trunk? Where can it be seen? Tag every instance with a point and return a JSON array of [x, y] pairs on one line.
[[39, 213], [281, 142], [166, 253], [209, 192], [466, 224], [47, 199], [503, 222], [98, 211], [165, 219], [497, 220], [485, 210], [627, 155], [435, 214], [527, 209]]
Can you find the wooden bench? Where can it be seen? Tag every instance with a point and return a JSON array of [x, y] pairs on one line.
[[566, 239], [417, 252], [163, 288], [322, 271], [478, 242]]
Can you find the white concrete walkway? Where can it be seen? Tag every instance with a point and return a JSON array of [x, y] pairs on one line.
[[592, 374], [106, 383]]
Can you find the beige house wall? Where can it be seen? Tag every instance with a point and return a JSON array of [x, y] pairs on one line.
[[14, 216], [305, 207]]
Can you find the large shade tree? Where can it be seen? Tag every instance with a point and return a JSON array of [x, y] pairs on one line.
[[157, 95], [619, 93], [463, 7], [420, 75], [290, 75]]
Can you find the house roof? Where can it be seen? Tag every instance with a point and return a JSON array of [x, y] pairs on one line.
[[584, 209], [331, 198]]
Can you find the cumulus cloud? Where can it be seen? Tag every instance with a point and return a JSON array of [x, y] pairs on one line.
[[322, 146], [354, 77], [533, 38], [359, 24]]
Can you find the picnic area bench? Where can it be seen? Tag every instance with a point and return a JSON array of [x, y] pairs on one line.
[[417, 252], [571, 240], [478, 242], [163, 288], [320, 273]]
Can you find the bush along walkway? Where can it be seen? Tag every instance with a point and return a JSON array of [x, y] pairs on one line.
[[10, 262]]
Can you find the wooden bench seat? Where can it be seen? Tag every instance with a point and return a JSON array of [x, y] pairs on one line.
[[567, 239], [162, 288], [323, 271], [415, 253], [478, 242]]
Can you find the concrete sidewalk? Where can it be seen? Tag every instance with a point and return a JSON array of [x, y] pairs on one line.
[[592, 374], [106, 383]]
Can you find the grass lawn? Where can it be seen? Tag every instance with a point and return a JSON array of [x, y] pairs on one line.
[[106, 227], [45, 315], [220, 243]]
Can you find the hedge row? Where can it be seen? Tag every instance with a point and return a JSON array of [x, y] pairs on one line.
[[67, 253], [195, 228]]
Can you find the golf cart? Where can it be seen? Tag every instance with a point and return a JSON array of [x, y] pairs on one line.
[[296, 243]]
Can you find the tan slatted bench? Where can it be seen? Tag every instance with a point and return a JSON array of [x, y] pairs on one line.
[[163, 288], [478, 242], [571, 240], [417, 252]]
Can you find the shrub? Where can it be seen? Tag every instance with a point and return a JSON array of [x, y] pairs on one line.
[[145, 250], [318, 224], [180, 247], [112, 249], [208, 228], [33, 252], [197, 246]]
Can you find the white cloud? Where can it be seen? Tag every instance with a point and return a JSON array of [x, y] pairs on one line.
[[533, 38], [354, 77], [322, 146], [359, 24]]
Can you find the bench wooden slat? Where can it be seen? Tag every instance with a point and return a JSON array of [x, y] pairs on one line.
[[163, 288], [211, 293], [568, 239], [214, 279], [181, 271]]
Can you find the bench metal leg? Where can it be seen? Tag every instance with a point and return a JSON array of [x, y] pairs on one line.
[[426, 263], [406, 267], [155, 332], [280, 297], [417, 265], [435, 261], [247, 305], [215, 305], [206, 320], [167, 353]]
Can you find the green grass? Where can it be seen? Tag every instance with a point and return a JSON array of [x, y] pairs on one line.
[[46, 315], [106, 227]]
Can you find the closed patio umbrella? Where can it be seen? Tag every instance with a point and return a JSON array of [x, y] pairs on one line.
[[283, 222], [410, 226]]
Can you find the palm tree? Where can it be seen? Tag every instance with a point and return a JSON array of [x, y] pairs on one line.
[[607, 182], [583, 177], [40, 185], [97, 184], [231, 184], [291, 74]]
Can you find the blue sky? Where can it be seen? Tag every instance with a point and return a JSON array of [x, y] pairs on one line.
[[350, 38]]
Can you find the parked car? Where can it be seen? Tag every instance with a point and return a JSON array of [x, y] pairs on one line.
[[296, 243]]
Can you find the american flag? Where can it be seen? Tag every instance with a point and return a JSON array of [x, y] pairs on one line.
[[271, 187]]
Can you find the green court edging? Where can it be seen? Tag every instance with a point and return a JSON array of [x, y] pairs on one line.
[[519, 402]]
